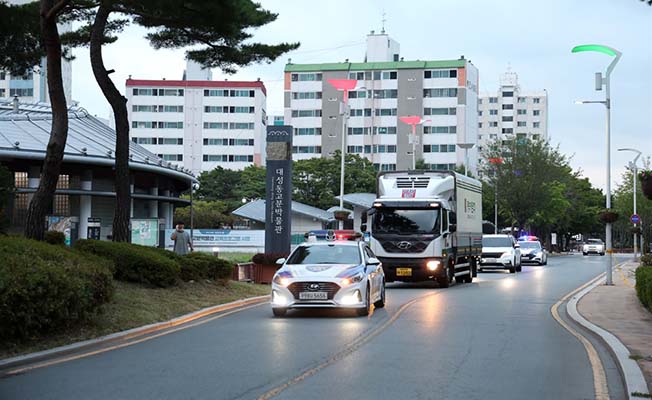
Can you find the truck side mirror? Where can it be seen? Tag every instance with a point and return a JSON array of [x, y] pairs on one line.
[[452, 228], [363, 218], [452, 218], [363, 228]]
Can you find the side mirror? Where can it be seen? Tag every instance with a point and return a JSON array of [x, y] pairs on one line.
[[452, 218], [452, 228], [373, 261], [363, 228], [363, 218], [517, 246], [280, 261]]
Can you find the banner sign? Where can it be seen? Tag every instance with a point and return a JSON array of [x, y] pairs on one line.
[[144, 232], [222, 238], [279, 189]]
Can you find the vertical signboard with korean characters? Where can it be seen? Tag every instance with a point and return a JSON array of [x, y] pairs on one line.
[[279, 189]]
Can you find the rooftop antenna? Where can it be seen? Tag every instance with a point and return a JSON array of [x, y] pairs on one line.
[[383, 20]]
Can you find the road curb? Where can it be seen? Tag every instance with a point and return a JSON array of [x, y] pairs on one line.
[[56, 352], [629, 369]]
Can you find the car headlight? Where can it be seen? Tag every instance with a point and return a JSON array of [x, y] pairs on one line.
[[354, 278], [282, 278]]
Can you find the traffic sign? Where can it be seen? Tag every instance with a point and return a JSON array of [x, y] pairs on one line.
[[635, 219]]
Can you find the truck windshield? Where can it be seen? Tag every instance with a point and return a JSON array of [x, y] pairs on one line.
[[402, 221]]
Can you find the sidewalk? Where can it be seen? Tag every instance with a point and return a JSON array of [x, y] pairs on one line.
[[617, 310]]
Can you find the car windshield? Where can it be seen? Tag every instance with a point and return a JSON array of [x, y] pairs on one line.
[[328, 254], [496, 242], [530, 245], [594, 241], [402, 221]]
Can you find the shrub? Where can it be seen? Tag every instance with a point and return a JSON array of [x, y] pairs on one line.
[[43, 287], [197, 265], [134, 263], [55, 237], [644, 285], [267, 258], [647, 260]]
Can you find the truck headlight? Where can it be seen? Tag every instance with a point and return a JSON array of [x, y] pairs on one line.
[[432, 265]]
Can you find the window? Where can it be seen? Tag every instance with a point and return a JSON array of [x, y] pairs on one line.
[[440, 111], [307, 131], [360, 112], [144, 140], [493, 112], [521, 112], [241, 125], [536, 112], [228, 142], [536, 124], [439, 129], [359, 131], [450, 92], [359, 76], [307, 95], [171, 157], [479, 113], [306, 77], [242, 93], [383, 112], [384, 148], [241, 110], [508, 119], [493, 124], [384, 130], [508, 94], [493, 99], [175, 109], [354, 149], [173, 141], [2, 93], [216, 125], [3, 76], [377, 75], [508, 106], [536, 100], [216, 109], [522, 100], [386, 94], [216, 93], [306, 149], [521, 123], [21, 92], [440, 73], [479, 124], [306, 113], [390, 75], [508, 130]]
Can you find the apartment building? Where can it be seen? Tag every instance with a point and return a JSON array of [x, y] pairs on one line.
[[512, 112], [444, 92], [200, 124], [32, 86]]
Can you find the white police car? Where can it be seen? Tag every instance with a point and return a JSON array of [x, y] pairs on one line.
[[336, 273]]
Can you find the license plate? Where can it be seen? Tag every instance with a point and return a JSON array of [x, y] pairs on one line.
[[313, 296], [489, 260], [403, 271]]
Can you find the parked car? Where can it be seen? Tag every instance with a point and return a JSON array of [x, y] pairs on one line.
[[336, 273], [500, 252], [533, 252], [595, 246]]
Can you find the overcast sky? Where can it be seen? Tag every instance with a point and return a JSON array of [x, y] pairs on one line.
[[534, 37]]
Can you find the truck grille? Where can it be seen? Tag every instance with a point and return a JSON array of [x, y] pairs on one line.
[[404, 246], [329, 287], [413, 182]]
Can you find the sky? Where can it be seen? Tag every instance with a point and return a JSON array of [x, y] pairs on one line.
[[532, 37]]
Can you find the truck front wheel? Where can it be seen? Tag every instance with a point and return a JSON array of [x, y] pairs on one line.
[[445, 281]]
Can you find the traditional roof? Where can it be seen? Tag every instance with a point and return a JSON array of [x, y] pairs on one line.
[[360, 199], [255, 210], [26, 134]]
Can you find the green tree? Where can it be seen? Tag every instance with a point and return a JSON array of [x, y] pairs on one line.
[[623, 203], [27, 34], [7, 190], [217, 34], [206, 214], [251, 183], [220, 184]]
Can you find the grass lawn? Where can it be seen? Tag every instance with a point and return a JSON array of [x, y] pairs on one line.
[[237, 257], [134, 305]]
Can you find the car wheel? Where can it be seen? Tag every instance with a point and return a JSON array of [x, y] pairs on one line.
[[545, 262], [279, 312], [365, 311], [602, 254], [381, 302], [519, 268], [512, 270], [584, 254]]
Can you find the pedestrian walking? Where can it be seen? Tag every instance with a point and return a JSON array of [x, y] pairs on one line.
[[182, 241]]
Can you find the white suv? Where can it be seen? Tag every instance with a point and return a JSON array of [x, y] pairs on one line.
[[500, 252], [593, 246]]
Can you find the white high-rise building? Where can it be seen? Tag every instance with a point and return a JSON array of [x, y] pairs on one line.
[[444, 92], [199, 124], [512, 113], [32, 86]]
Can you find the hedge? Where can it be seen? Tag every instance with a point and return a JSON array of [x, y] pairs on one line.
[[197, 265], [647, 260], [44, 286], [55, 237], [134, 263], [644, 285]]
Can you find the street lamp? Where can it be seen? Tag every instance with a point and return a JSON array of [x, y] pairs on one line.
[[413, 121], [344, 85], [466, 147], [634, 168], [599, 82]]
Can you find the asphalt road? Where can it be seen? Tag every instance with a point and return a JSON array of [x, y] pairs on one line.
[[492, 339]]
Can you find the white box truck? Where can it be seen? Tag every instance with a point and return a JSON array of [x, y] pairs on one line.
[[426, 225]]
